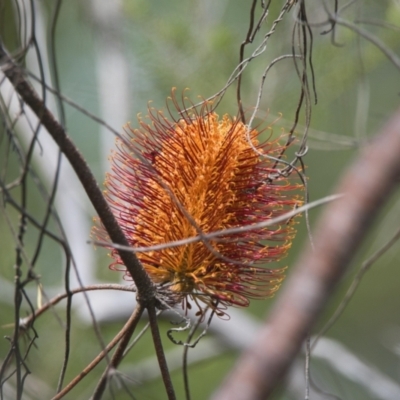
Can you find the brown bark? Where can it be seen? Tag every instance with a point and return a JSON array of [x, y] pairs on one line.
[[366, 186]]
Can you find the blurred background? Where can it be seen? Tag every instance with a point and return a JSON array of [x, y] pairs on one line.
[[110, 59]]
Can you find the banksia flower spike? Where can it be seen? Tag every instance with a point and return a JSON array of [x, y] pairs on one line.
[[204, 167]]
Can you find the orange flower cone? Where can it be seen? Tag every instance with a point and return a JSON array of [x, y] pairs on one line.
[[204, 167]]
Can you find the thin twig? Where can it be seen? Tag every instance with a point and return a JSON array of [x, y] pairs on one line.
[[366, 265], [119, 352], [189, 345], [224, 232], [27, 321], [132, 321], [162, 362], [390, 54]]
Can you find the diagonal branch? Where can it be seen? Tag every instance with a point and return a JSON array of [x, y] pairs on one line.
[[366, 185], [17, 77], [125, 332], [119, 353]]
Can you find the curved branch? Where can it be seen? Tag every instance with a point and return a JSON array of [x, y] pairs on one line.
[[366, 185], [27, 321]]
